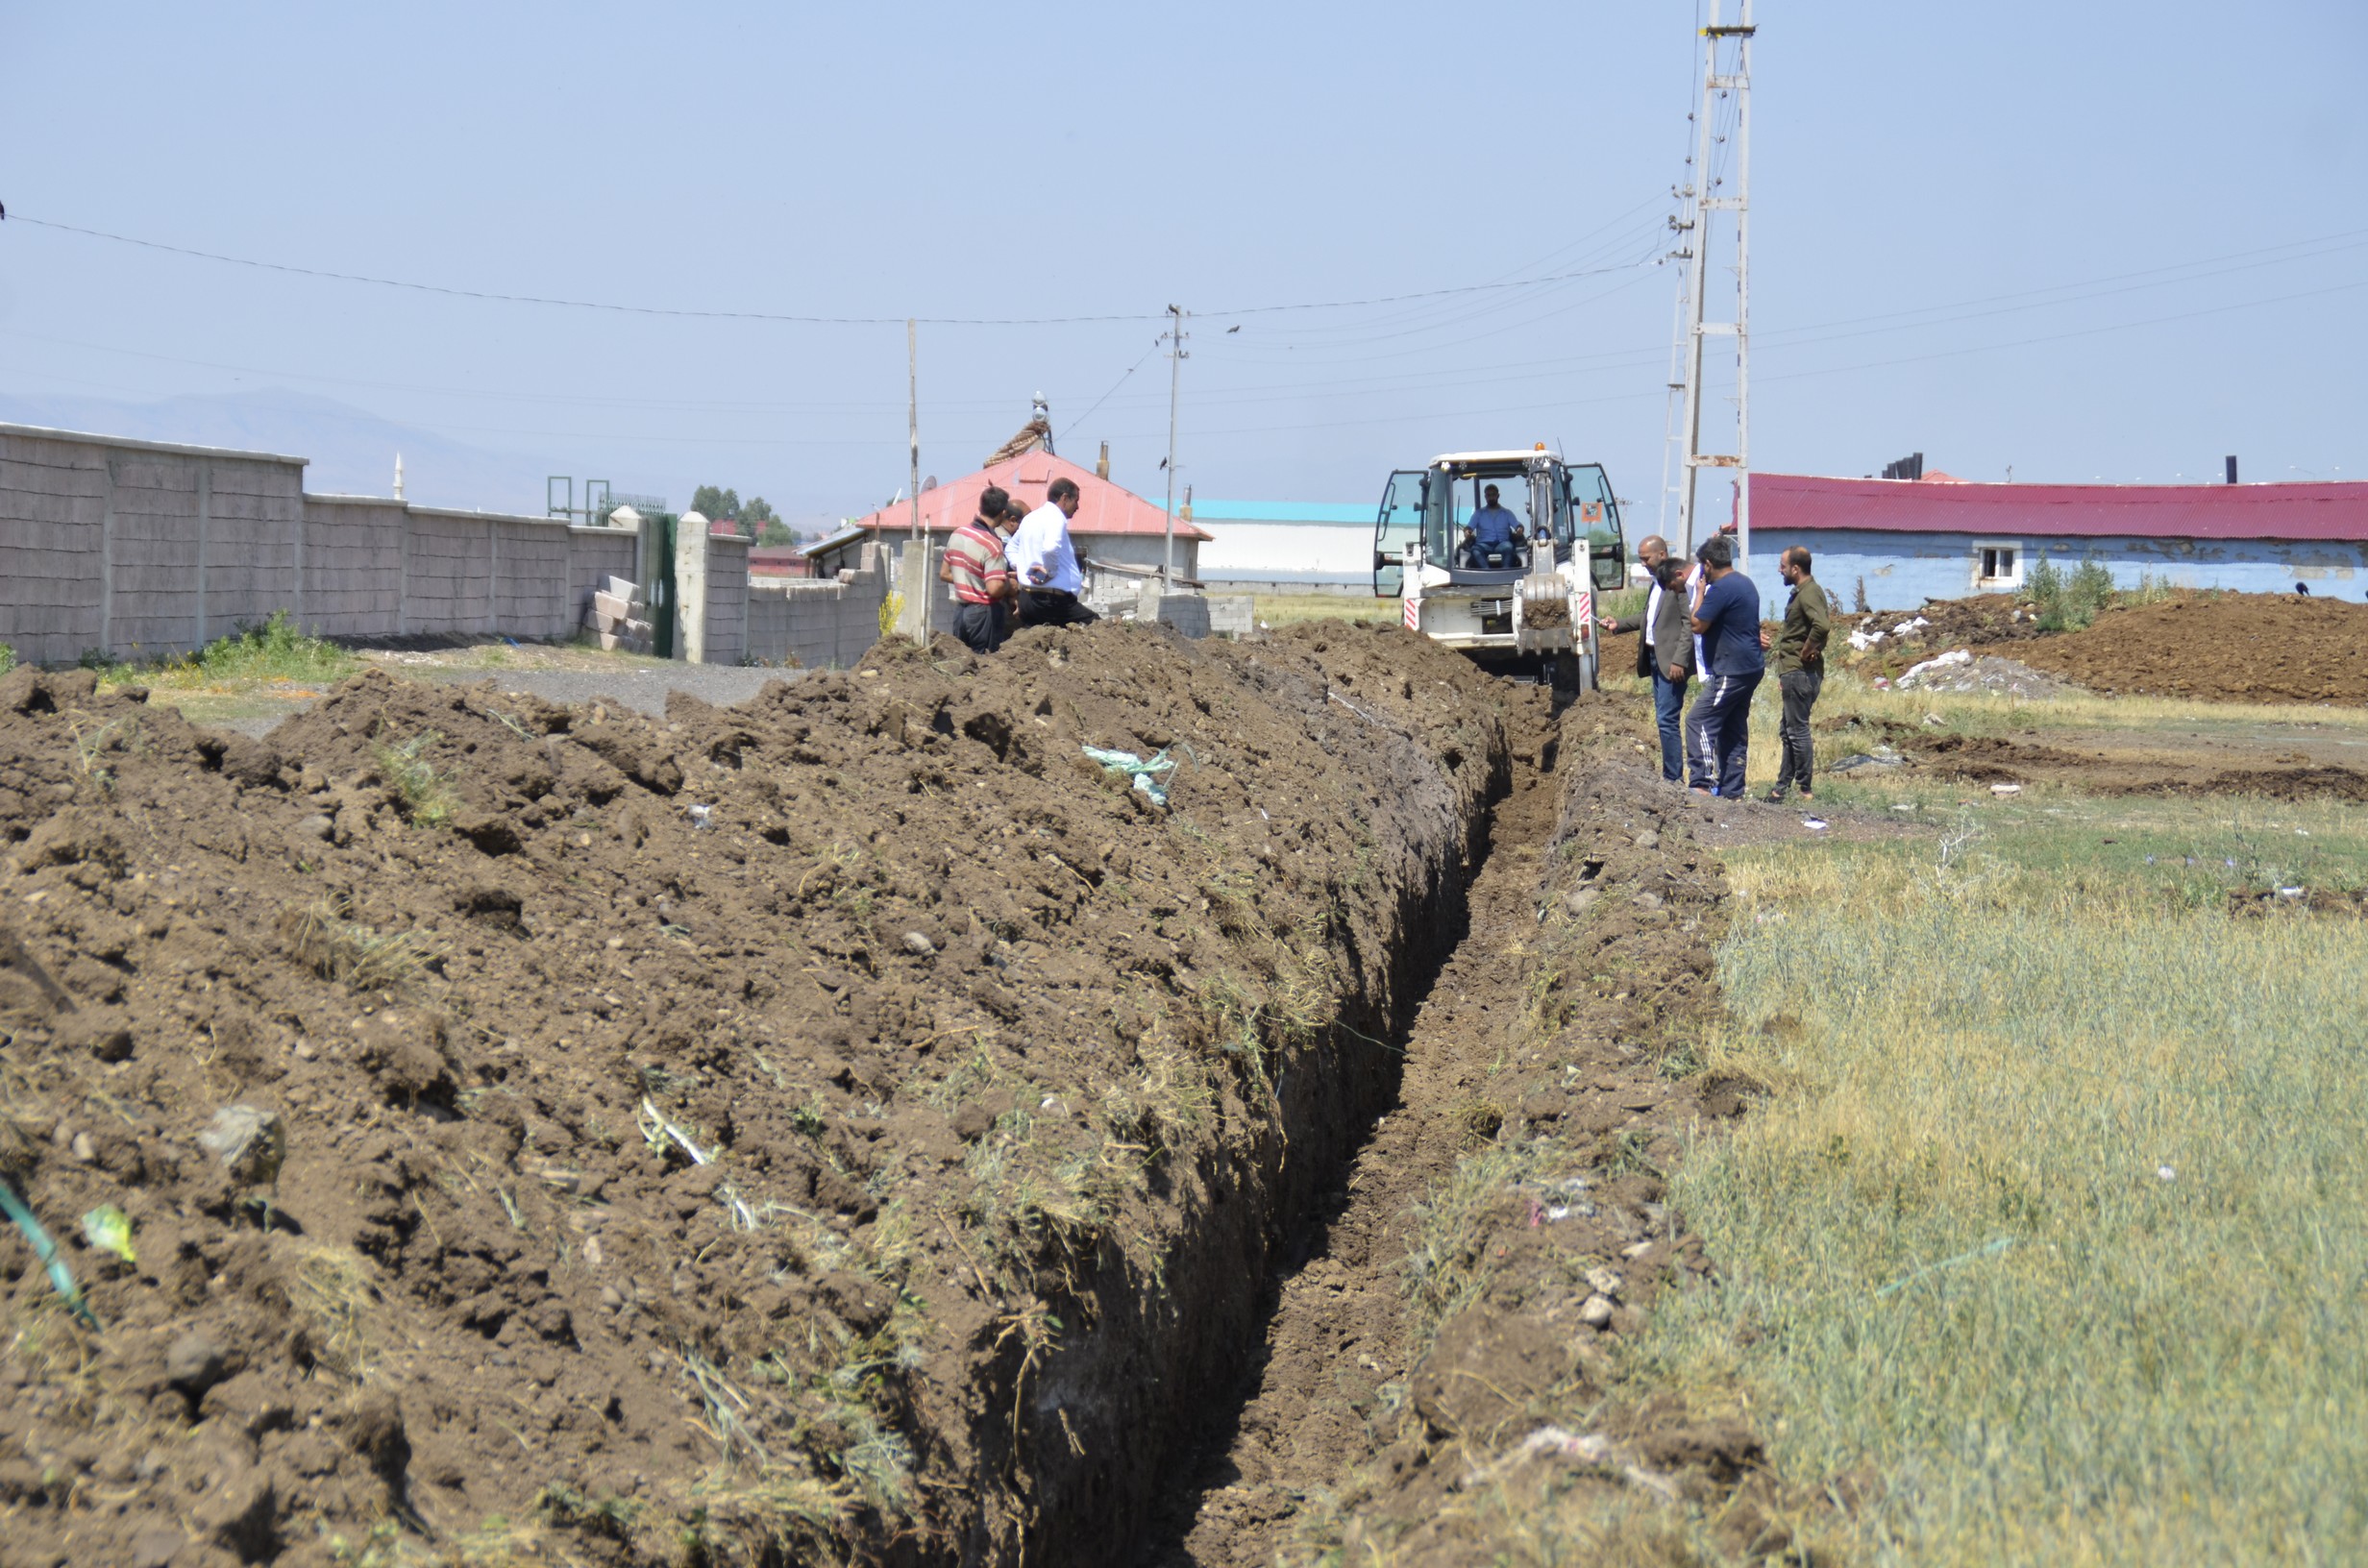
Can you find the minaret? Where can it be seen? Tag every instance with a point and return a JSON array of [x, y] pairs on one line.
[[398, 475]]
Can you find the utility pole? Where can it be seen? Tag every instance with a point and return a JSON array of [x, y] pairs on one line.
[[1676, 397], [1176, 381], [912, 425], [1715, 87]]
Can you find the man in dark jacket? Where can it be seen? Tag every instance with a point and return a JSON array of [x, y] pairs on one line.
[[1664, 652], [1727, 620], [1800, 666]]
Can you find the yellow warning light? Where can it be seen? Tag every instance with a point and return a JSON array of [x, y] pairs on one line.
[[1539, 447]]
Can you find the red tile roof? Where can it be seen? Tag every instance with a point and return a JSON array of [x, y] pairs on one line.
[[778, 561], [1102, 507], [2337, 510]]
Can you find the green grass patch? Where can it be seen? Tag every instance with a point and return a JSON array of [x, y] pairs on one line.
[[274, 650], [1286, 609], [256, 671], [426, 799], [2053, 1220]]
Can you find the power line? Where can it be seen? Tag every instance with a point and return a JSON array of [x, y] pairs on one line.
[[1114, 387], [681, 314], [1534, 369], [1385, 419]]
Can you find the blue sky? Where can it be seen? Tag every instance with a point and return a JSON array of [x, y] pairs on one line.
[[1920, 173]]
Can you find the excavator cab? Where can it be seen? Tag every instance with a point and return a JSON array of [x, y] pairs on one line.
[[1476, 579]]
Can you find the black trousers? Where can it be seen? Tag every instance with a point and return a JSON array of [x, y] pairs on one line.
[[1800, 688], [1052, 607], [983, 626]]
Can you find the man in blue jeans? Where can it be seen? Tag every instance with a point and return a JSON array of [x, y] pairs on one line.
[[1728, 620], [1664, 649]]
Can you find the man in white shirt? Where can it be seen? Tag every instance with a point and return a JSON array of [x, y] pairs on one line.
[[1041, 553], [1664, 648]]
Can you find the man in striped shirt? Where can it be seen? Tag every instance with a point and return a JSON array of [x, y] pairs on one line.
[[982, 581]]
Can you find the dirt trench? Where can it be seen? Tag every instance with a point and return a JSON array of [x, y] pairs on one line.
[[1438, 1312]]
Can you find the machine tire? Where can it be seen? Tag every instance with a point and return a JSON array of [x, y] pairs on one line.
[[1565, 674]]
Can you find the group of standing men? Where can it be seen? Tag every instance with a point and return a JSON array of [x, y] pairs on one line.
[[1009, 567], [1705, 619]]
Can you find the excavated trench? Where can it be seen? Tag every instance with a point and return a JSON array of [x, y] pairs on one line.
[[849, 1127], [1438, 1336], [1336, 1341]]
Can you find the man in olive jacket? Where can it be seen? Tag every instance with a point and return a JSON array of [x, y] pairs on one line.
[[1800, 666], [1664, 652]]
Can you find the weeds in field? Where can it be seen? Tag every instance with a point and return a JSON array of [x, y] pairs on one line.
[[425, 798], [2069, 600], [89, 744], [276, 649], [8, 659], [2050, 1220], [1446, 1268]]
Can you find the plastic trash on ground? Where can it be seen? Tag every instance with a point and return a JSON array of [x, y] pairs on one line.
[[110, 1229], [1148, 775], [1916, 674]]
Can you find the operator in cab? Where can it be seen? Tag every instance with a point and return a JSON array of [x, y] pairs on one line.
[[1493, 529]]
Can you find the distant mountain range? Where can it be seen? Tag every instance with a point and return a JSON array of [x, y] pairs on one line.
[[351, 450]]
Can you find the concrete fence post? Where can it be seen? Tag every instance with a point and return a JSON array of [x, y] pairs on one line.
[[912, 584], [691, 588], [107, 557], [205, 517], [403, 576]]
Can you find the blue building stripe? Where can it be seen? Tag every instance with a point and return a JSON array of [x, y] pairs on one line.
[[1900, 571]]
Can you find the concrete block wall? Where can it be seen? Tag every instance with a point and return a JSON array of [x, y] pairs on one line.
[[594, 556], [251, 523], [447, 580], [377, 568], [153, 551], [1232, 614], [144, 549], [140, 547], [821, 624], [53, 505], [728, 600], [531, 578], [354, 550]]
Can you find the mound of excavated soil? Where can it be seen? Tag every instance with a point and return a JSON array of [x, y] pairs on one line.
[[850, 1125], [2220, 647]]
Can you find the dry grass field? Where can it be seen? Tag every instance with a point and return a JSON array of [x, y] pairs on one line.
[[2044, 1246]]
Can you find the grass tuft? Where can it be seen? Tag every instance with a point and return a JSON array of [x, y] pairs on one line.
[[425, 797], [322, 937]]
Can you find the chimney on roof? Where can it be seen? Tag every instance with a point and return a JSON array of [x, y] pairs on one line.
[[1101, 464], [1187, 504], [2232, 469]]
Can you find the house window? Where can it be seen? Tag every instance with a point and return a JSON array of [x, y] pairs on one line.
[[1997, 564]]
